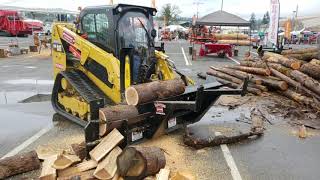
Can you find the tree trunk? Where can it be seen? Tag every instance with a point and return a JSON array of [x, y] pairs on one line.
[[299, 51], [238, 74], [307, 81], [315, 62], [18, 164], [147, 92], [296, 85], [260, 87], [262, 64], [304, 57], [235, 42], [273, 84], [235, 86], [231, 36], [276, 58], [311, 70], [297, 97], [224, 76], [140, 162], [252, 70]]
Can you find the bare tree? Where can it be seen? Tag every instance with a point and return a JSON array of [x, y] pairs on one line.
[[169, 13]]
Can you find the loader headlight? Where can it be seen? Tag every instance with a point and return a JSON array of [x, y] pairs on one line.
[[119, 9], [154, 13]]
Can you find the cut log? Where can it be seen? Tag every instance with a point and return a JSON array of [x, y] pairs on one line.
[[79, 150], [47, 171], [45, 152], [235, 36], [252, 70], [312, 70], [77, 169], [315, 61], [183, 175], [163, 174], [297, 97], [262, 64], [106, 145], [147, 92], [296, 85], [304, 57], [65, 160], [140, 162], [238, 74], [87, 175], [235, 42], [299, 51], [235, 86], [276, 58], [224, 76], [273, 84], [107, 168], [306, 81], [19, 163], [260, 87]]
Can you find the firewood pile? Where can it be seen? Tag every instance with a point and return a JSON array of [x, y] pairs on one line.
[[107, 161], [293, 74]]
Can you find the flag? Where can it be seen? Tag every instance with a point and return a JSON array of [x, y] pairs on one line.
[[274, 21]]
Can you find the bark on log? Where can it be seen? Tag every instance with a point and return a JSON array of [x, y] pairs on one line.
[[19, 164], [274, 84], [306, 81], [140, 162], [252, 70], [299, 51], [147, 92], [79, 150], [278, 67], [235, 86], [235, 42], [296, 85], [238, 74], [304, 57], [300, 99], [235, 36], [260, 87], [276, 58], [224, 76], [315, 61], [311, 70]]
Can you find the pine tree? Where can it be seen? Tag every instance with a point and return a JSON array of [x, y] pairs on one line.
[[253, 21]]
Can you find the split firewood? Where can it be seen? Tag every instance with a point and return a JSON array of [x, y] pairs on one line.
[[45, 152], [235, 86], [140, 162], [163, 174], [252, 70], [277, 58], [111, 116], [304, 57], [79, 150], [147, 92], [78, 168], [65, 160], [47, 171], [296, 85], [299, 51], [106, 145], [307, 81], [18, 164], [107, 168], [87, 175], [315, 61], [183, 175], [313, 70], [238, 74]]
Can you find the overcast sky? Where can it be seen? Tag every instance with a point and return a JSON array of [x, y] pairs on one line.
[[242, 8]]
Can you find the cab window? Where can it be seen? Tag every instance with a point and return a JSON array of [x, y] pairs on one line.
[[96, 26]]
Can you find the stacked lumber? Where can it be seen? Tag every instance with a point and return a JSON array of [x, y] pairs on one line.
[[292, 78]]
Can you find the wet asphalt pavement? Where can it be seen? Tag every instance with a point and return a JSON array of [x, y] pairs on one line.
[[278, 154]]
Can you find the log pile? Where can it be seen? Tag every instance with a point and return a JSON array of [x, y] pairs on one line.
[[306, 54], [107, 161], [296, 79]]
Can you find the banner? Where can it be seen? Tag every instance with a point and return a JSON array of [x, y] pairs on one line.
[[274, 21], [288, 29]]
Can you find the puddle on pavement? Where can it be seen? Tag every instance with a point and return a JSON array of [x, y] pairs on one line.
[[29, 81], [14, 97]]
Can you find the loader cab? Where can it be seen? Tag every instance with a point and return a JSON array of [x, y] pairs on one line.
[[123, 30]]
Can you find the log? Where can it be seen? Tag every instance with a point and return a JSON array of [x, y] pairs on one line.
[[315, 61], [304, 57], [235, 86], [273, 84], [47, 171], [238, 74], [79, 150], [18, 164], [77, 169], [296, 85], [140, 162], [65, 160], [260, 87], [224, 76], [235, 42], [106, 145], [306, 81], [261, 64], [276, 58], [297, 97], [235, 36], [252, 70], [147, 92], [107, 168], [299, 51], [312, 70], [87, 175], [163, 174]]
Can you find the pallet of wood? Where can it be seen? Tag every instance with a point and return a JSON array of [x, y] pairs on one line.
[[290, 77]]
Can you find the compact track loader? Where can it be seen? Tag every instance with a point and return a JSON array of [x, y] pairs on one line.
[[110, 49]]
